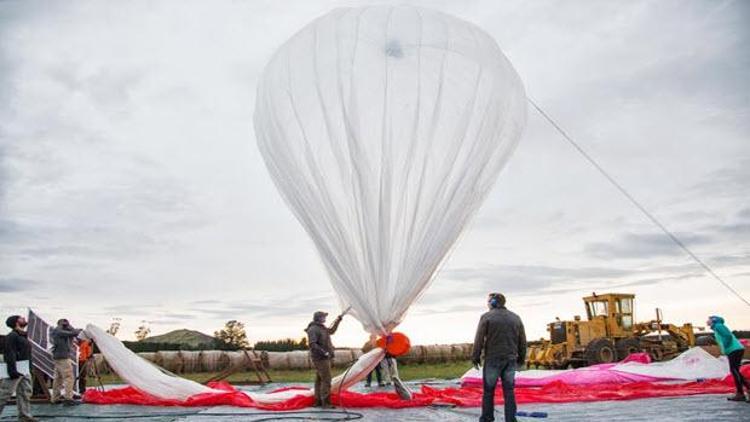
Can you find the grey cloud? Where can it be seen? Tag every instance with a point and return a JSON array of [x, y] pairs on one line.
[[530, 278], [292, 306], [12, 285], [731, 181], [205, 302], [643, 245]]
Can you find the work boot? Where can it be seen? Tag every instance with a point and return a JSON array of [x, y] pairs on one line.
[[367, 385], [737, 397]]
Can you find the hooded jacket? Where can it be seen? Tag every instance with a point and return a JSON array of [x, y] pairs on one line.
[[727, 342], [319, 340]]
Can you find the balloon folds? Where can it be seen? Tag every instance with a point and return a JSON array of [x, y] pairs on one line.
[[384, 129]]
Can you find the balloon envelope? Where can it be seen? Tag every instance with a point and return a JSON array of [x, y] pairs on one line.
[[384, 128]]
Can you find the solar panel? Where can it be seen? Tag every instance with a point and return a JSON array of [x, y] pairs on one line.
[[41, 347]]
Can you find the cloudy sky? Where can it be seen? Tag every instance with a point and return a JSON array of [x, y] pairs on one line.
[[131, 185]]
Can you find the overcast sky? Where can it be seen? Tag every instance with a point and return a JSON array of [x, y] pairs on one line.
[[131, 185]]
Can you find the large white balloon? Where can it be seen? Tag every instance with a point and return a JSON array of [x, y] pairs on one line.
[[385, 128]]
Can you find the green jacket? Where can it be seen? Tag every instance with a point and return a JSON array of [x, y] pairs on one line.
[[727, 342]]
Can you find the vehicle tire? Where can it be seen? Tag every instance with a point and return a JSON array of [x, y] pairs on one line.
[[705, 341], [600, 350], [626, 346], [657, 354]]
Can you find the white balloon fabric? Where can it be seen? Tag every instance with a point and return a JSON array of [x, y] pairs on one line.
[[384, 129], [150, 379]]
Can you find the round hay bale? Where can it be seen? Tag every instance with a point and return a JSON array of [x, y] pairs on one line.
[[431, 354], [299, 359], [444, 351], [169, 360], [468, 350], [456, 352], [213, 361], [149, 356], [416, 355], [278, 360], [236, 358], [191, 361], [343, 358]]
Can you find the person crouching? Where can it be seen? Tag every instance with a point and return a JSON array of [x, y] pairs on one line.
[[321, 353], [62, 352]]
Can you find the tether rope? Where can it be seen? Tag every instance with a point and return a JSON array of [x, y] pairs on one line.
[[635, 202]]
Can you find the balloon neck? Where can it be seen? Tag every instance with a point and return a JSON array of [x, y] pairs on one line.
[[395, 344]]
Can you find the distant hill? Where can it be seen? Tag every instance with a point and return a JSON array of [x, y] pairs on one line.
[[187, 337]]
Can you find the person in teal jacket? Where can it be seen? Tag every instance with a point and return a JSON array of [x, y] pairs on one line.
[[734, 350]]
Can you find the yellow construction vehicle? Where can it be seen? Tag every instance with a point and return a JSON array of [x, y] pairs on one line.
[[608, 335]]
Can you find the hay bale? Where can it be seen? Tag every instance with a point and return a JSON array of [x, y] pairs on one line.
[[191, 361], [415, 355], [236, 359], [170, 360], [149, 356], [278, 360], [213, 361], [299, 359], [344, 357]]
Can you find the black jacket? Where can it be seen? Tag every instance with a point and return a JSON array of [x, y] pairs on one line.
[[62, 342], [319, 340], [17, 347], [501, 336]]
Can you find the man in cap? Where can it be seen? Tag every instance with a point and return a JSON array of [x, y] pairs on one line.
[[62, 351], [321, 352], [17, 355], [501, 337]]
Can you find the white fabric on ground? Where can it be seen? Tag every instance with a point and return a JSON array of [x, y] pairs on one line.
[[691, 365], [140, 373], [384, 129], [148, 378], [695, 363]]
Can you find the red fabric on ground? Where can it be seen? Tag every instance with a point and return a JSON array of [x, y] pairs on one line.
[[463, 396]]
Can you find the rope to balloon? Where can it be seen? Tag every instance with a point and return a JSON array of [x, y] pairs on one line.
[[635, 202]]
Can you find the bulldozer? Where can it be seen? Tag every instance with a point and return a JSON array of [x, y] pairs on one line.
[[609, 334]]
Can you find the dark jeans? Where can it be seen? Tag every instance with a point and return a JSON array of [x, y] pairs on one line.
[[735, 360], [506, 371], [378, 375]]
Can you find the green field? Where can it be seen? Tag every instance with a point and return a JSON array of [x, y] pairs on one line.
[[450, 370]]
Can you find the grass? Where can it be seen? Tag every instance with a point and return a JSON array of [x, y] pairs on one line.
[[450, 370]]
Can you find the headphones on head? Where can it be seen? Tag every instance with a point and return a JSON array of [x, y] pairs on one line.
[[494, 302]]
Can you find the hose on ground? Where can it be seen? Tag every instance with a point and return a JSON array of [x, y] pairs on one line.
[[311, 415]]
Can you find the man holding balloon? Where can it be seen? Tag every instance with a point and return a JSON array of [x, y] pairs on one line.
[[321, 352]]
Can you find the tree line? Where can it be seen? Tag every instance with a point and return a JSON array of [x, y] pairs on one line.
[[233, 336]]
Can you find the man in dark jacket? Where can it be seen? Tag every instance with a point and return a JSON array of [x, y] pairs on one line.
[[62, 351], [501, 337], [321, 352], [17, 355]]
